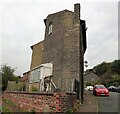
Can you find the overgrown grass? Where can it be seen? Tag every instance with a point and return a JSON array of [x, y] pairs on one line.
[[4, 109], [74, 108], [8, 106], [7, 101], [34, 89]]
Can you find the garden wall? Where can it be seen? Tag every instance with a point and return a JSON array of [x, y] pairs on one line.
[[42, 102]]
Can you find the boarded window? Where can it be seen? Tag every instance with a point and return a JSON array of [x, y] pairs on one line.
[[35, 75]]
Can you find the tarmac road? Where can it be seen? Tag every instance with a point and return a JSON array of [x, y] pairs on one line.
[[108, 104]]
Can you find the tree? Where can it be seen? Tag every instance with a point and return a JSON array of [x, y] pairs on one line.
[[102, 68], [115, 66], [109, 73], [7, 75], [112, 67], [115, 81]]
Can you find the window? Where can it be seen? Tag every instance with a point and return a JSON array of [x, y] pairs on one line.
[[35, 75], [50, 28]]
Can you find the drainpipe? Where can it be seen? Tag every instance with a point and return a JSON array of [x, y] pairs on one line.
[[81, 66]]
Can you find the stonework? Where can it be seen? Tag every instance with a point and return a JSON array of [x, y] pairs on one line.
[[37, 54], [61, 47], [90, 77]]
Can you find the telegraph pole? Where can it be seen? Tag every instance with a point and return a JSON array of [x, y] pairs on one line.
[[81, 79], [82, 49]]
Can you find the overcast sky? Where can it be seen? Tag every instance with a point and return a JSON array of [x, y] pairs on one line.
[[22, 25]]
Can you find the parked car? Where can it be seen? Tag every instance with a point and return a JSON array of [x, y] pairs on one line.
[[118, 89], [112, 88], [100, 90], [90, 88]]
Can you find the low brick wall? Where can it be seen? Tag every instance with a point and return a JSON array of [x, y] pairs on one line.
[[42, 102]]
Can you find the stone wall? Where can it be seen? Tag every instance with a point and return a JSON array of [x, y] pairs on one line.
[[62, 47], [37, 54], [42, 102], [91, 77]]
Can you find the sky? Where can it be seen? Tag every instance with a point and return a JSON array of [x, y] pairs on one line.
[[22, 25]]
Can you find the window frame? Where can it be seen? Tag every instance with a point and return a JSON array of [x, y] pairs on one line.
[[50, 28]]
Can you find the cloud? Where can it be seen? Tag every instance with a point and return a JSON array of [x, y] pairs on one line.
[[102, 33], [21, 25]]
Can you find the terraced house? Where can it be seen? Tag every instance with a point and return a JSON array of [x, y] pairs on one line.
[[57, 61]]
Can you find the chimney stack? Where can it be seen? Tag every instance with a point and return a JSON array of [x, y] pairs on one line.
[[77, 11]]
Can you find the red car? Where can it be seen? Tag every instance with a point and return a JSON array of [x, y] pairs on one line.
[[100, 90]]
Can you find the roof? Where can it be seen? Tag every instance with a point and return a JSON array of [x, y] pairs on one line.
[[89, 71], [26, 72], [60, 12], [36, 44]]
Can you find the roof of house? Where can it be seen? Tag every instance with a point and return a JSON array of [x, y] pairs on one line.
[[37, 44], [60, 12]]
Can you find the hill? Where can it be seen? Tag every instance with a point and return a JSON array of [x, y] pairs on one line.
[[108, 72]]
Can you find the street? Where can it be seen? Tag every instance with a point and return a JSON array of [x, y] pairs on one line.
[[108, 104]]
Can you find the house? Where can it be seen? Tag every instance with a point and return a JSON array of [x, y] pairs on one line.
[[25, 80], [37, 54], [90, 77], [36, 61], [63, 47]]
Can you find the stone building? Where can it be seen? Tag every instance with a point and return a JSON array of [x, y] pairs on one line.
[[64, 47], [36, 61], [25, 80], [90, 77], [37, 54]]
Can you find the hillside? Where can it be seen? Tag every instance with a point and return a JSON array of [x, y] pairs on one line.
[[108, 72]]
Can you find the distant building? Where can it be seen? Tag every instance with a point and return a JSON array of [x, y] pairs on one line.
[[65, 37], [25, 80], [90, 77]]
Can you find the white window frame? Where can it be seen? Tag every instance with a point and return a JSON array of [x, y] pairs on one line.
[[50, 28]]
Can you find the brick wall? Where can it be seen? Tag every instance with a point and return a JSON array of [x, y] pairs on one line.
[[42, 102]]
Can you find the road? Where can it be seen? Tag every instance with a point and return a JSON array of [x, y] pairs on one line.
[[108, 104]]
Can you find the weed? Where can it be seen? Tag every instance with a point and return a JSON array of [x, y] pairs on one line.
[[8, 101], [74, 108], [4, 109]]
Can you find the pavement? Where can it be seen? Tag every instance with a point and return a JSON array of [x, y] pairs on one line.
[[89, 103]]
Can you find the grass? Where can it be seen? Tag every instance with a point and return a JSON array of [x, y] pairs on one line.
[[74, 108], [9, 106], [4, 109], [7, 101]]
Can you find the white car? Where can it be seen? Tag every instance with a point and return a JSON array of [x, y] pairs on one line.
[[90, 88]]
